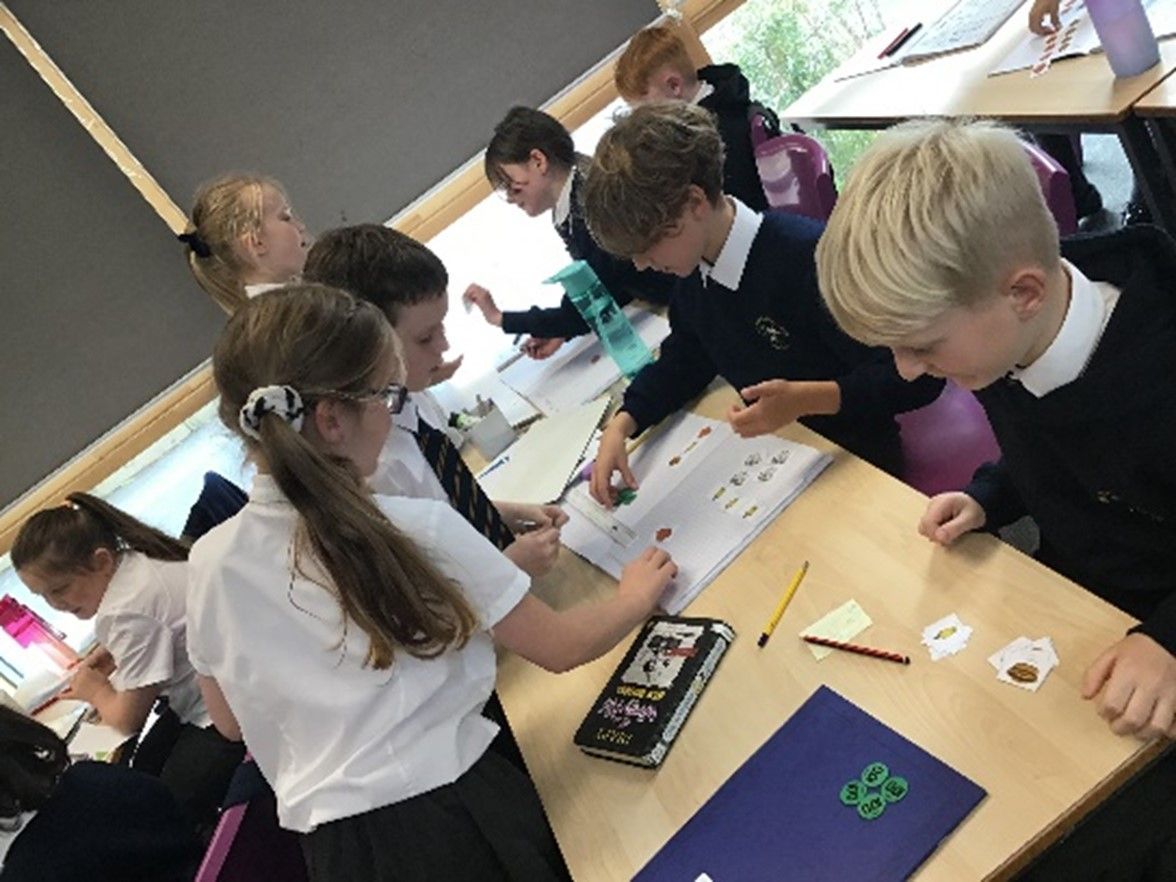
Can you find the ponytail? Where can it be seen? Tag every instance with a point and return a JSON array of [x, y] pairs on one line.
[[311, 337], [64, 538]]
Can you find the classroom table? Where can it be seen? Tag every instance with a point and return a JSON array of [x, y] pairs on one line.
[[1045, 758], [1075, 95]]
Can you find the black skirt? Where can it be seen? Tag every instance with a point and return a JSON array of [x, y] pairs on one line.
[[486, 826]]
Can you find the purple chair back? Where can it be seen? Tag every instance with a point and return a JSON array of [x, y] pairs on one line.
[[249, 846], [1055, 186], [946, 441], [794, 171]]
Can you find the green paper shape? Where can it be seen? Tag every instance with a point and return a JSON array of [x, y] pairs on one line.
[[871, 807], [626, 495], [853, 792], [874, 774], [895, 789]]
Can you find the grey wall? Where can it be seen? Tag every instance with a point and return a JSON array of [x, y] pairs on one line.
[[357, 107]]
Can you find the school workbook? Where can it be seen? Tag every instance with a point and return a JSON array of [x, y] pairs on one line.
[[704, 494]]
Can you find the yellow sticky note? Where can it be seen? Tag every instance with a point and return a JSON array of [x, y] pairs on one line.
[[843, 623]]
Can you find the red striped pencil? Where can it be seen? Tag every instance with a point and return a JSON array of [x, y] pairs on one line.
[[860, 650]]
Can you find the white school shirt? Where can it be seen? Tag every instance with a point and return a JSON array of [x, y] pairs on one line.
[[332, 737], [252, 291], [1090, 308], [402, 469], [141, 620], [729, 265]]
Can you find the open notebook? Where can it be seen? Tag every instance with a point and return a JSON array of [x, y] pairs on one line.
[[705, 494]]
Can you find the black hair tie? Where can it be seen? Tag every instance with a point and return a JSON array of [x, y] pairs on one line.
[[199, 246]]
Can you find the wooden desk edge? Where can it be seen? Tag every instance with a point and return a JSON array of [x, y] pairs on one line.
[[1095, 798]]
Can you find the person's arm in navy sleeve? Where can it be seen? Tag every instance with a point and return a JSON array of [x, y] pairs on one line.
[[681, 372], [873, 387], [557, 321]]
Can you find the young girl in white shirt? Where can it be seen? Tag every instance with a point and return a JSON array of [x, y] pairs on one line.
[[95, 561], [243, 238], [350, 638]]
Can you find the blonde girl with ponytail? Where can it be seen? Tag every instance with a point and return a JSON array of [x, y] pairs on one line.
[[243, 238], [350, 638], [95, 561]]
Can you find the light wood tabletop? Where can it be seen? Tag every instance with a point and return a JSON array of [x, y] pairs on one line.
[[1160, 100], [1074, 91], [1045, 758]]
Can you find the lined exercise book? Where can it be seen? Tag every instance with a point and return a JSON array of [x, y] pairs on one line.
[[705, 494], [833, 795]]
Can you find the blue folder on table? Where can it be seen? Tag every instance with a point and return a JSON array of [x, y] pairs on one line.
[[792, 812]]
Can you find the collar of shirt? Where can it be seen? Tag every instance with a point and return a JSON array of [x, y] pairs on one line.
[[409, 418], [1091, 304], [705, 90], [563, 205], [252, 291], [265, 491], [728, 268]]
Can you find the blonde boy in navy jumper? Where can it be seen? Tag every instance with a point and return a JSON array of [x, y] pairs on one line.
[[941, 247], [746, 307]]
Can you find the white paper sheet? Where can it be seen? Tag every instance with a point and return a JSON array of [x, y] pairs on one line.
[[537, 467], [1076, 37]]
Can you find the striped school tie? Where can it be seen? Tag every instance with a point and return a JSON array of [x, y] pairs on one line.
[[461, 486]]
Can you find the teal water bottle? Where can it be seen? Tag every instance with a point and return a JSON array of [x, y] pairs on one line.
[[604, 316]]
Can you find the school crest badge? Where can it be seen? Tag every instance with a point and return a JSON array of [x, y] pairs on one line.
[[772, 331]]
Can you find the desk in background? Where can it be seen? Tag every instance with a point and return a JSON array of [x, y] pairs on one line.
[[1046, 758], [1076, 95]]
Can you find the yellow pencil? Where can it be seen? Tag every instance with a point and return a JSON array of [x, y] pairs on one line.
[[782, 605]]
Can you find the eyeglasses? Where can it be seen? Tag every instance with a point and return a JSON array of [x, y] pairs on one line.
[[393, 395]]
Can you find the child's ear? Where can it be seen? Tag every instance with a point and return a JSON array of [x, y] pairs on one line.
[[673, 84], [251, 246], [102, 560], [326, 422], [539, 158], [1028, 288]]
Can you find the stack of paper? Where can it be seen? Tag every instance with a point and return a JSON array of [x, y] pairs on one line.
[[705, 494], [581, 370]]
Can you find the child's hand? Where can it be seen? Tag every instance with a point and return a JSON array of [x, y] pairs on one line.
[[445, 371], [87, 684], [949, 516], [534, 553], [478, 296], [1041, 10], [774, 405], [540, 348], [100, 659], [1137, 679], [647, 575], [522, 517], [612, 457]]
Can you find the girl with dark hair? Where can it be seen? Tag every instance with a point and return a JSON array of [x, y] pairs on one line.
[[94, 561]]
